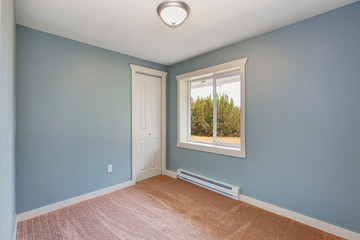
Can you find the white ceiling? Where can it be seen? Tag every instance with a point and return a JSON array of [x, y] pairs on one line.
[[133, 27]]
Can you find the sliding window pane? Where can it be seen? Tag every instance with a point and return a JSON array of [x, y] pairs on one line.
[[201, 105], [228, 103]]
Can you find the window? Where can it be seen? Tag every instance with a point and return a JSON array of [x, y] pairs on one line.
[[211, 109]]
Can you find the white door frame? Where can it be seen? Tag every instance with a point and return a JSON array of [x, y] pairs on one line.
[[135, 69]]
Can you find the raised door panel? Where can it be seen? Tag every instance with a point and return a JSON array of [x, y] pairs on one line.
[[140, 113]]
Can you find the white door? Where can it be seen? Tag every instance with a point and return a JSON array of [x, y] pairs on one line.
[[146, 121]]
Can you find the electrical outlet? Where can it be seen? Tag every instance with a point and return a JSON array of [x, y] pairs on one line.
[[109, 168]]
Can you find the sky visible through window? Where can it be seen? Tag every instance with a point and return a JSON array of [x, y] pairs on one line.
[[231, 89]]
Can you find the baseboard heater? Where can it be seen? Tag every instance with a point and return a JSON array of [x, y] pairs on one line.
[[211, 184]]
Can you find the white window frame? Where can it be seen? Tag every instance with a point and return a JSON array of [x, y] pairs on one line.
[[184, 115]]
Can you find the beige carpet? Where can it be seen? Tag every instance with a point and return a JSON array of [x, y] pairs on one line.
[[164, 208]]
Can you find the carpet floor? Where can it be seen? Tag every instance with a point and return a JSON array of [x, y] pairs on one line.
[[164, 208]]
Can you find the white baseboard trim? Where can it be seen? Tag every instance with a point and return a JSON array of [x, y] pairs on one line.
[[71, 201], [15, 227], [170, 173], [324, 226]]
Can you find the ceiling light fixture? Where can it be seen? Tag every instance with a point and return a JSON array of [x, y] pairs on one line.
[[173, 13]]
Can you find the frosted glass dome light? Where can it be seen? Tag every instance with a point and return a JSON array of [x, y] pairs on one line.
[[173, 13]]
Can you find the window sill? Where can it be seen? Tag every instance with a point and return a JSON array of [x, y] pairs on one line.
[[229, 151]]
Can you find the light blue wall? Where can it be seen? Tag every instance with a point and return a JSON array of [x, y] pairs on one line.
[[302, 118], [73, 118], [7, 121]]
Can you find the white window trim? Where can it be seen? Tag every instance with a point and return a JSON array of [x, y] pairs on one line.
[[183, 113]]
